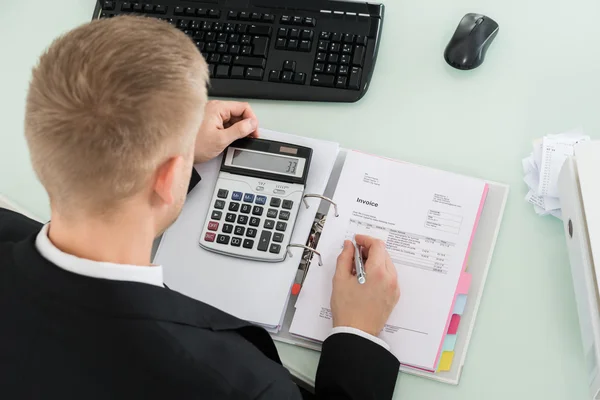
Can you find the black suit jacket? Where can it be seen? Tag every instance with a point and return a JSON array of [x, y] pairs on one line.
[[68, 336]]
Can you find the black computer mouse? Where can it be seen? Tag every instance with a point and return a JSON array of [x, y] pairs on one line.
[[473, 36]]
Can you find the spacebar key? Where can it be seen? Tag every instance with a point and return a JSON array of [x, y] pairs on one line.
[[249, 61], [322, 80], [263, 243]]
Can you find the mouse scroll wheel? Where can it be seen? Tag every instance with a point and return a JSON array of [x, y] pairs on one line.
[[479, 21]]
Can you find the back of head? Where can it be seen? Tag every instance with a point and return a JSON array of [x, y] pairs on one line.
[[107, 104]]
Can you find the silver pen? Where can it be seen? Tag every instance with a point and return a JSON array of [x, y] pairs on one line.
[[359, 264]]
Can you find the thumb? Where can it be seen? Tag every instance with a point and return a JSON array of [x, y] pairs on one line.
[[345, 261], [242, 128]]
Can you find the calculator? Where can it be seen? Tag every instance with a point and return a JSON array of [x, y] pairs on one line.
[[256, 199]]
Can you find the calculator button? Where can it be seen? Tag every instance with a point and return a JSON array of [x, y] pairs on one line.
[[269, 223], [275, 202], [284, 215], [275, 248], [279, 191], [220, 204], [272, 213], [287, 204], [257, 210], [281, 226], [251, 232], [236, 241], [209, 237], [230, 217], [278, 237], [216, 215], [239, 230], [260, 189], [248, 198], [227, 228], [263, 242], [254, 221], [248, 244], [222, 193], [242, 219], [262, 200], [223, 239], [213, 226], [233, 206], [237, 196], [246, 208]]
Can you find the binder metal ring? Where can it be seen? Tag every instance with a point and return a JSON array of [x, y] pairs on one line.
[[306, 248], [327, 199]]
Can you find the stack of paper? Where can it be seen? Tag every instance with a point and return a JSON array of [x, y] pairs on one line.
[[542, 167]]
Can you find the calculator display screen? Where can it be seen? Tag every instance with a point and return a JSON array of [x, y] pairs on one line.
[[266, 162]]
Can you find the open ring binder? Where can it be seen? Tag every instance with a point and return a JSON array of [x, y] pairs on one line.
[[306, 248], [327, 199]]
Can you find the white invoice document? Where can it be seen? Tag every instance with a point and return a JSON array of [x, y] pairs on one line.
[[427, 219]]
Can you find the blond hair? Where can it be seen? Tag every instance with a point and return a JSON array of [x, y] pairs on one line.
[[108, 103]]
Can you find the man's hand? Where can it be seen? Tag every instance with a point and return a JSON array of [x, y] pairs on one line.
[[366, 307], [224, 122]]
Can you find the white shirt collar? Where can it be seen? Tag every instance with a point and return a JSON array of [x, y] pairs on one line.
[[152, 275]]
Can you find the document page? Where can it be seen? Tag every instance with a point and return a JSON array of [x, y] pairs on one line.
[[426, 219]]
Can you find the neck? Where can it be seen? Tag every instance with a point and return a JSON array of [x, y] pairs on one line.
[[123, 240]]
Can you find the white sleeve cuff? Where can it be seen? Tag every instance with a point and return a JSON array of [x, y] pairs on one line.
[[354, 331]]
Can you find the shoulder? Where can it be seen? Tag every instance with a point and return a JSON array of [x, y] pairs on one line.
[[16, 227]]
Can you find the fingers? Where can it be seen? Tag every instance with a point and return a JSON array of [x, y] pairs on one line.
[[241, 129], [345, 261], [235, 111]]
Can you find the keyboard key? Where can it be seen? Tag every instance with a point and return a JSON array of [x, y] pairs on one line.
[[138, 7], [321, 57], [217, 26], [213, 226], [263, 242], [345, 59], [281, 226], [282, 32], [222, 71], [333, 58], [211, 68], [323, 45], [236, 241], [294, 33], [216, 215], [306, 34], [247, 50], [207, 26], [212, 46], [190, 11], [242, 28], [126, 6], [354, 81], [362, 40], [348, 38], [214, 58], [336, 37], [287, 204], [239, 230], [233, 38], [254, 73], [249, 61], [195, 25], [249, 198], [219, 204], [222, 193], [341, 82], [281, 44], [269, 224], [268, 17], [299, 78], [275, 248], [257, 210], [179, 10], [230, 217], [310, 21], [246, 208], [289, 65], [227, 228], [275, 202], [260, 30], [222, 38], [256, 16], [297, 20], [292, 44], [261, 200], [248, 244], [324, 35], [233, 206], [242, 219], [274, 76], [234, 49], [330, 69], [343, 70], [286, 19], [334, 47], [226, 58], [359, 56], [347, 48], [305, 45], [201, 12], [237, 196], [223, 239], [209, 237], [237, 72], [148, 8], [287, 76], [272, 213], [254, 221], [244, 15], [261, 46], [284, 215], [183, 23], [251, 232], [232, 15], [319, 68], [278, 237], [214, 13]]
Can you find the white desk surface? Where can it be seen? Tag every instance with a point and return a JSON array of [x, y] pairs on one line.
[[540, 76]]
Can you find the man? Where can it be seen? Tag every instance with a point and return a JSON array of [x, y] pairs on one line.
[[116, 116]]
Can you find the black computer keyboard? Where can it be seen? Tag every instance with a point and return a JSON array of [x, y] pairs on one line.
[[315, 50]]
